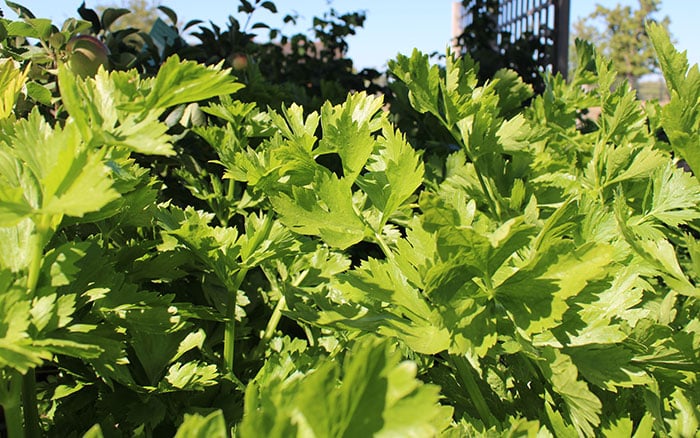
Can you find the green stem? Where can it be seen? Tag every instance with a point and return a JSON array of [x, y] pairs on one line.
[[229, 196], [598, 166], [266, 229], [277, 312], [230, 328], [36, 248], [12, 406], [274, 320], [487, 191], [493, 206], [384, 246], [466, 375], [29, 399], [230, 192], [29, 402]]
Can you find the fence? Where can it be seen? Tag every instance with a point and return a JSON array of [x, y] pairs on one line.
[[546, 20]]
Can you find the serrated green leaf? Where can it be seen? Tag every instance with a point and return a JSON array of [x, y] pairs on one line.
[[146, 312], [608, 367], [219, 248], [95, 105], [326, 211], [187, 81], [622, 427], [191, 376], [71, 179], [535, 297], [347, 130], [664, 254], [199, 426], [264, 239], [686, 421], [680, 118], [676, 197], [120, 109], [597, 312], [143, 134], [422, 79], [645, 429], [585, 65], [583, 406], [659, 253], [12, 80], [69, 348], [621, 118], [511, 89], [21, 356], [15, 244], [628, 163], [192, 340], [674, 64], [394, 305], [155, 353], [394, 174], [293, 126], [371, 394]]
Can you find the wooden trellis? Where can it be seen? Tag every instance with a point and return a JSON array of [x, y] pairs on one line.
[[547, 20]]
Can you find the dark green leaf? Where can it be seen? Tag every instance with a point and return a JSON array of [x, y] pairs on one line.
[[170, 13], [110, 15], [20, 10], [246, 7], [270, 6], [91, 16]]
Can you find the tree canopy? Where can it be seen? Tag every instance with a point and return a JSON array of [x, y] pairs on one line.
[[619, 33], [143, 13]]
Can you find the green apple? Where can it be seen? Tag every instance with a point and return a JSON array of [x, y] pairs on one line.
[[86, 54]]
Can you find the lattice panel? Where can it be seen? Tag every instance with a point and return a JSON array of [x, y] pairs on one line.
[[547, 20]]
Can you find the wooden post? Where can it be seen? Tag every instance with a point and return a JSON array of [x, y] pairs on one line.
[[561, 26], [457, 26]]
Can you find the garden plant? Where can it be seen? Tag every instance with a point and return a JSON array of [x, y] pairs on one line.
[[176, 261]]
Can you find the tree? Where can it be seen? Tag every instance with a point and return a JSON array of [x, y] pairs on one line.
[[619, 34], [142, 16]]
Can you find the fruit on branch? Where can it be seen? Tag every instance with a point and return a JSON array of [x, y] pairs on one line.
[[239, 61], [86, 54]]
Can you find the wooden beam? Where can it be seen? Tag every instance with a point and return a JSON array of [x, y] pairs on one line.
[[561, 26]]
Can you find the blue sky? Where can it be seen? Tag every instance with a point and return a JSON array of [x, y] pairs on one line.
[[392, 26]]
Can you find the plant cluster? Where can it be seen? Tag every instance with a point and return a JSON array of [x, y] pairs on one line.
[[287, 68], [291, 271]]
